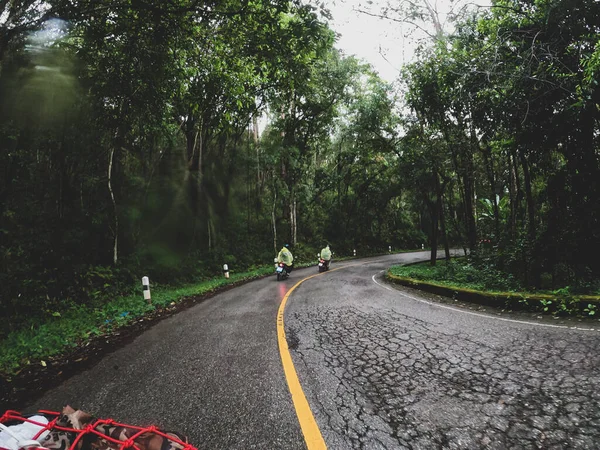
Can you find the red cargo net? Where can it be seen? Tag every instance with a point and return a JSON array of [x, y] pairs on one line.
[[90, 430]]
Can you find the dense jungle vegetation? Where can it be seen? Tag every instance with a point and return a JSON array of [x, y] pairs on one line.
[[130, 144]]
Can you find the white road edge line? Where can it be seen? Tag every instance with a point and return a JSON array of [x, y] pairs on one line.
[[479, 314]]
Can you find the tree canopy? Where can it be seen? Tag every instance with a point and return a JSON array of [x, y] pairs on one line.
[[130, 143]]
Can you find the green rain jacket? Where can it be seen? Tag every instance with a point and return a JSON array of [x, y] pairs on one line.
[[326, 253], [285, 256]]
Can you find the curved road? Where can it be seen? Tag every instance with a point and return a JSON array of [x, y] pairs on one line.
[[380, 367]]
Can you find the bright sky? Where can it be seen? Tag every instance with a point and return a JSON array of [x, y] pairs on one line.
[[385, 44], [378, 41]]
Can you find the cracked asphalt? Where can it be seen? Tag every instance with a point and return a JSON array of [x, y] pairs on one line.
[[379, 370], [384, 371]]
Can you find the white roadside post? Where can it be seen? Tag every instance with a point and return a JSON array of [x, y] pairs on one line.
[[354, 252], [226, 270], [422, 246], [390, 249], [146, 288]]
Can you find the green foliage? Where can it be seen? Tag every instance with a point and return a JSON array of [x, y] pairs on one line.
[[492, 145], [508, 106], [591, 309], [460, 273], [158, 99], [462, 277], [49, 337]]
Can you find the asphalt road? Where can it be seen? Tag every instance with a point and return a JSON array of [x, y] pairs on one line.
[[379, 370], [383, 370]]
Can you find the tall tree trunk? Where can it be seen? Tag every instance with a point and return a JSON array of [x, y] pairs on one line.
[[210, 238], [434, 231], [434, 212], [512, 189], [191, 140], [469, 170], [248, 185], [255, 129], [274, 219], [293, 226], [519, 189], [518, 210], [440, 206], [257, 146], [531, 229], [489, 164], [469, 209], [533, 272], [199, 203], [455, 224], [114, 203], [463, 165], [443, 230], [339, 179], [115, 145]]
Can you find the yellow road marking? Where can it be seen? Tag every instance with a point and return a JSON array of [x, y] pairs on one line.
[[308, 424]]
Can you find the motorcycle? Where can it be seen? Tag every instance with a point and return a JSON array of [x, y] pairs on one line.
[[281, 270], [323, 265]]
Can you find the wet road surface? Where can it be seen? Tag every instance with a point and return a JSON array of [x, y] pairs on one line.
[[379, 370], [382, 370]]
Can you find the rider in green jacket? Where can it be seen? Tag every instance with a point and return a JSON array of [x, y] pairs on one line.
[[326, 255], [286, 257]]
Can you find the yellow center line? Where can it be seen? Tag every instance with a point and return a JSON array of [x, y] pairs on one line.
[[308, 424]]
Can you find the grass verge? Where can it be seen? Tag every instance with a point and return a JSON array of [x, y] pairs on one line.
[[40, 343], [469, 286], [37, 344]]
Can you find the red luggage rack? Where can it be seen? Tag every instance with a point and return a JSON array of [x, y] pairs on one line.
[[90, 430]]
